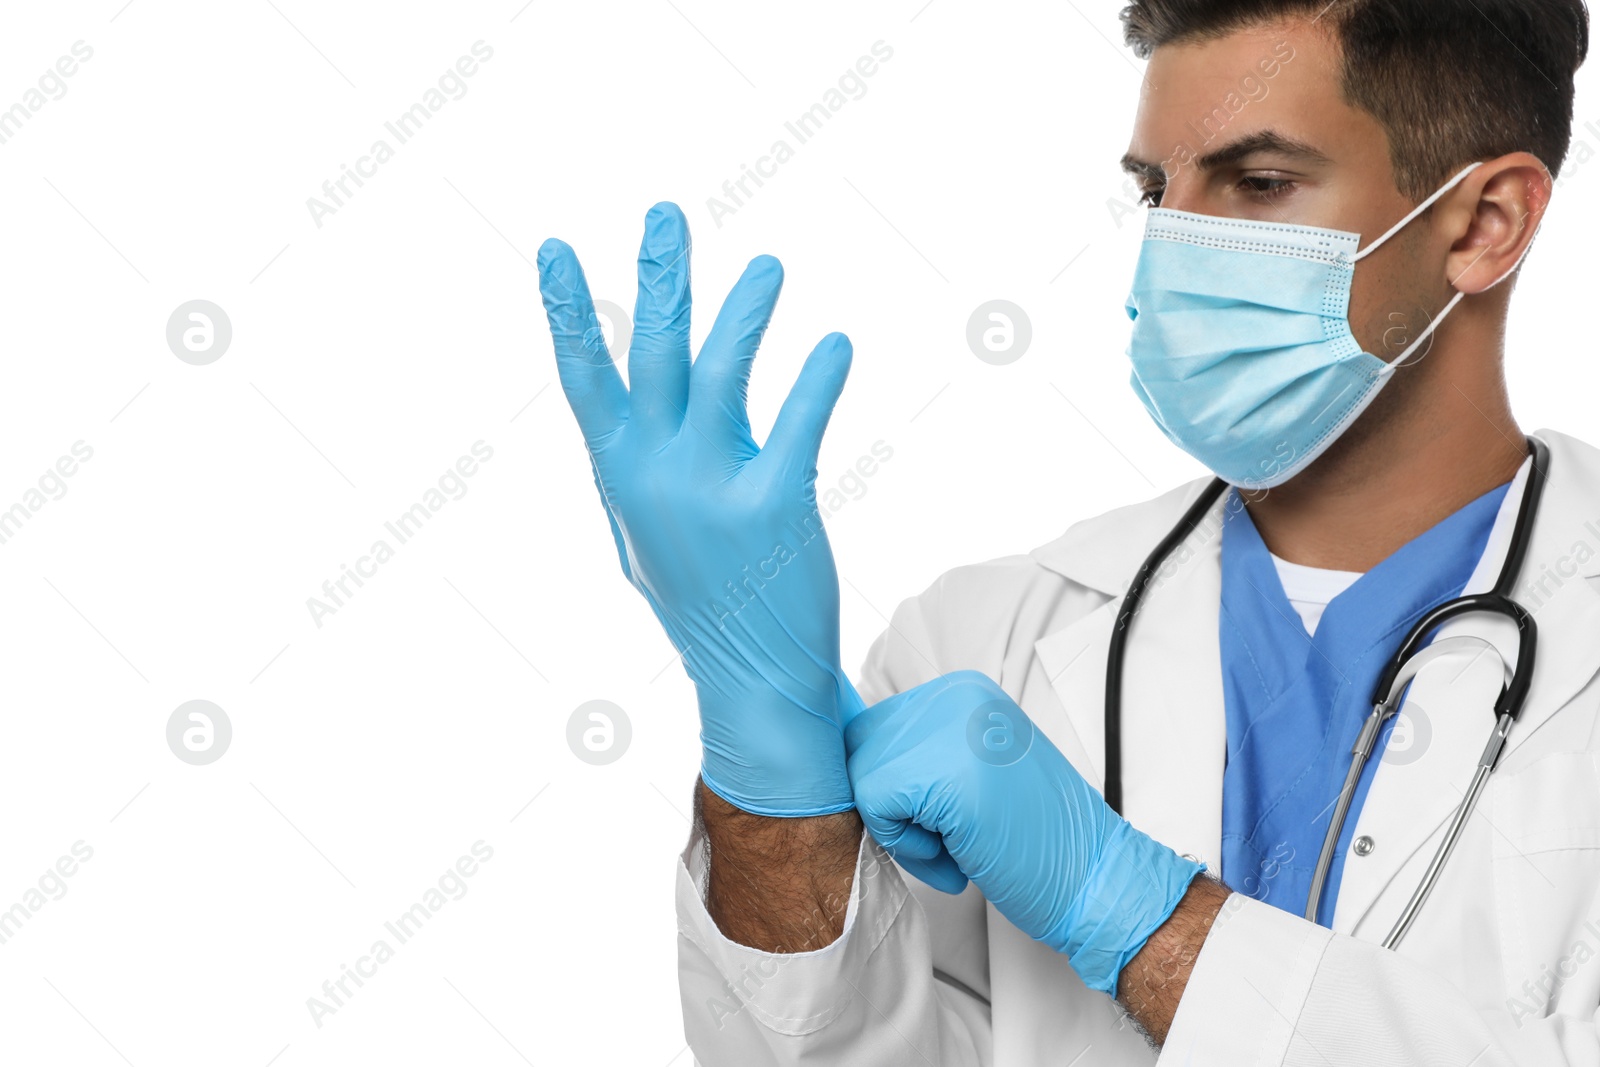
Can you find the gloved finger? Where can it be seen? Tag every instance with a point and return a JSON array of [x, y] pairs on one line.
[[658, 358], [941, 872], [850, 702], [719, 381], [796, 436], [904, 838], [919, 850], [867, 722], [616, 531], [588, 375], [866, 733]]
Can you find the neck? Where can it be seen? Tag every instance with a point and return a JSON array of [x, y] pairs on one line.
[[1412, 460]]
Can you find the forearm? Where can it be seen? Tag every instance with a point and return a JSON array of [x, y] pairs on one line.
[[1154, 980], [777, 885]]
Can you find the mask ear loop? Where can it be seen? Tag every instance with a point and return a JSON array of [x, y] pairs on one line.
[[1389, 368], [1419, 209]]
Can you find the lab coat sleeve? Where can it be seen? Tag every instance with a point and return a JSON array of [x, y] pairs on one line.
[[1299, 995], [869, 998], [875, 997]]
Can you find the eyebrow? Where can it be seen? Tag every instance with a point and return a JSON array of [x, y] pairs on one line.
[[1244, 147], [1141, 169]]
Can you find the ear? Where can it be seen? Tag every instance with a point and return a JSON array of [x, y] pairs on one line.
[[1513, 192]]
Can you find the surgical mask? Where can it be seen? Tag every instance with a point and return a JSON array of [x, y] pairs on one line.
[[1242, 350]]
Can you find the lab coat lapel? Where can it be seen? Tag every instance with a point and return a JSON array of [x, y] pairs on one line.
[[1448, 716], [1174, 728], [1555, 584]]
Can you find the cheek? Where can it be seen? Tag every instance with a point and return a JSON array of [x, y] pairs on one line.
[[1386, 328], [1396, 293]]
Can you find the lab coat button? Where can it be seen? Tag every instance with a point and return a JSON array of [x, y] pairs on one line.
[[1363, 846]]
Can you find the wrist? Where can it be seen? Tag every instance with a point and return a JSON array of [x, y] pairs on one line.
[[778, 885], [1153, 983], [1132, 891]]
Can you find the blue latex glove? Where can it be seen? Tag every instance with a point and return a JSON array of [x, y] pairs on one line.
[[953, 776], [722, 537]]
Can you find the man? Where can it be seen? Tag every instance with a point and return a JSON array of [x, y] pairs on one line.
[[1351, 391]]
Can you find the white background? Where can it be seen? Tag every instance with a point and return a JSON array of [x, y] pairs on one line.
[[368, 354]]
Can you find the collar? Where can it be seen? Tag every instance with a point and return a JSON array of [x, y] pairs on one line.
[[1105, 552]]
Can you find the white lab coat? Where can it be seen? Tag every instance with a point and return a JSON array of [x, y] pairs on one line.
[[1501, 968]]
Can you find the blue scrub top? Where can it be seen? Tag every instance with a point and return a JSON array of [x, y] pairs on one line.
[[1295, 702]]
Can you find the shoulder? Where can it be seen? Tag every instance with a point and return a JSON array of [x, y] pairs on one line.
[[1104, 553]]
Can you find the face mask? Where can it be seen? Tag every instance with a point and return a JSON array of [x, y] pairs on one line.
[[1242, 350]]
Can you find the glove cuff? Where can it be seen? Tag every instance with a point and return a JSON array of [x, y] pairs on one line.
[[1133, 890], [767, 756], [779, 807]]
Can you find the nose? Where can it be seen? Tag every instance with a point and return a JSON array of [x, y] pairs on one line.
[[1184, 191]]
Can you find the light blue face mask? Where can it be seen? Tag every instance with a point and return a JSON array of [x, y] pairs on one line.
[[1242, 350]]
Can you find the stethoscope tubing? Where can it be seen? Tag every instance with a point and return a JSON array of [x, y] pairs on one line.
[[1389, 692]]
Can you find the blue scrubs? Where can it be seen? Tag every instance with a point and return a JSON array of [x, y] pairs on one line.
[[1296, 702]]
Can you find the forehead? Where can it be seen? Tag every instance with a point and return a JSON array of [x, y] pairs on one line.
[[1283, 76]]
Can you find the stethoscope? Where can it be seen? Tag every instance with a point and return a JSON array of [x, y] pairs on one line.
[[1387, 695]]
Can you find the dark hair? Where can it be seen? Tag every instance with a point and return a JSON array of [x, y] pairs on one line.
[[1451, 81]]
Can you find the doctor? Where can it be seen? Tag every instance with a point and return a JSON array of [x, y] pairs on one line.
[[1318, 316]]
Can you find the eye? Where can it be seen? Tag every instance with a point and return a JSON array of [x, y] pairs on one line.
[[1152, 197], [1266, 188]]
